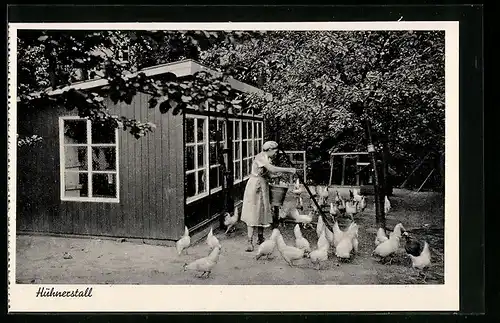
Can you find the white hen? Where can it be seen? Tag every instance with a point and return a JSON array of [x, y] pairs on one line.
[[337, 234], [300, 241], [212, 240], [183, 243], [267, 247], [349, 242], [423, 260], [289, 253], [231, 220], [205, 264], [304, 219], [387, 205], [322, 240], [320, 255], [391, 245], [381, 236]]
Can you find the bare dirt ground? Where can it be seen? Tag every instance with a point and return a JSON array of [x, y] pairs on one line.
[[40, 259]]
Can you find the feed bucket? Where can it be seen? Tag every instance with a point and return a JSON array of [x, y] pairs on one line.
[[277, 194]]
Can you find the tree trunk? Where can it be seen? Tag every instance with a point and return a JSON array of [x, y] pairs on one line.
[[379, 210], [385, 169]]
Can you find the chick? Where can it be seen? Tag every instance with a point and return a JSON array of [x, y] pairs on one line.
[[183, 243], [289, 253], [300, 241], [212, 240], [205, 264], [351, 209], [267, 247]]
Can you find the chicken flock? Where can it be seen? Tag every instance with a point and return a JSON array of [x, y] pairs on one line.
[[343, 244]]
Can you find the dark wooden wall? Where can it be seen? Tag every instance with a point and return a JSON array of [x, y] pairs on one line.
[[151, 179]]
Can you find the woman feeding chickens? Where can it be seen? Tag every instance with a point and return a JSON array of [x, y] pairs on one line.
[[256, 210]]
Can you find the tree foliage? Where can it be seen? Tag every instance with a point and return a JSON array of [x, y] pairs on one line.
[[318, 77], [49, 60]]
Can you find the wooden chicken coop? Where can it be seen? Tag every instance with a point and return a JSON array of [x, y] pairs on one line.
[[84, 180]]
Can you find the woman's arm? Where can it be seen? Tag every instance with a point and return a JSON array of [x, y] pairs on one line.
[[276, 169]]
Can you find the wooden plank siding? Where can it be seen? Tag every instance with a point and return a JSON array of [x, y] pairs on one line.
[[150, 178]]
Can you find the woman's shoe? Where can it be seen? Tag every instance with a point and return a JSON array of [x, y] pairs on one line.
[[260, 239], [250, 246]]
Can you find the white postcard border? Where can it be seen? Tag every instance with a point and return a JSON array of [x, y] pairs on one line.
[[195, 298]]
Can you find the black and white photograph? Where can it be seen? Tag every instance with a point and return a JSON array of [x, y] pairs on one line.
[[226, 155]]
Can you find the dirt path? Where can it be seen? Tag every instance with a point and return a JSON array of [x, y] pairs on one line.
[[40, 258]]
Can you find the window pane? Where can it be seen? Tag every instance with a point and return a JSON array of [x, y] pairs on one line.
[[250, 148], [201, 156], [237, 170], [255, 147], [76, 185], [236, 151], [249, 162], [201, 130], [103, 158], [190, 184], [212, 129], [255, 130], [189, 130], [104, 185], [214, 177], [236, 130], [245, 130], [222, 129], [245, 150], [189, 157], [245, 167], [75, 131], [202, 181], [102, 134], [75, 158], [213, 154], [260, 130]]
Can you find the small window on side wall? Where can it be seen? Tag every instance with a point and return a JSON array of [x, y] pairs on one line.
[[88, 161]]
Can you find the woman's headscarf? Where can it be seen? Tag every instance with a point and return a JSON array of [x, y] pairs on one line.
[[268, 145]]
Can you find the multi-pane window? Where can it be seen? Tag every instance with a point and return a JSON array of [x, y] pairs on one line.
[[218, 141], [237, 150], [196, 156], [247, 143], [88, 161], [203, 168]]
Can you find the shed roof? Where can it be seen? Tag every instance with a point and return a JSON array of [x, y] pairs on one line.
[[179, 68]]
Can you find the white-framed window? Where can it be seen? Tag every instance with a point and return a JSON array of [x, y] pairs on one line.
[[203, 170], [216, 177], [237, 169], [196, 143], [247, 143], [88, 161]]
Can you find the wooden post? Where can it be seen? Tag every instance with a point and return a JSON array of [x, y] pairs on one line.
[[343, 169], [331, 170], [432, 171], [413, 171], [379, 210], [357, 170]]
